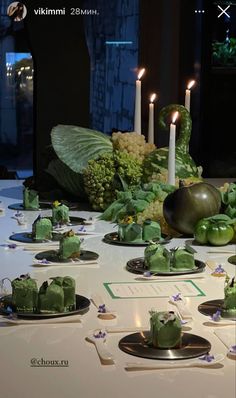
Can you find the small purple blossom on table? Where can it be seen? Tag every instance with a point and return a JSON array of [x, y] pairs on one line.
[[12, 246], [208, 358], [176, 297], [82, 229], [102, 308], [219, 270], [19, 214], [44, 261], [100, 335], [232, 350], [183, 322], [147, 274], [216, 316]]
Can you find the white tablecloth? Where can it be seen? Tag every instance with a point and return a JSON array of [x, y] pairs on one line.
[[85, 376]]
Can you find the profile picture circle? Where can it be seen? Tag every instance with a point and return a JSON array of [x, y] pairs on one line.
[[17, 11]]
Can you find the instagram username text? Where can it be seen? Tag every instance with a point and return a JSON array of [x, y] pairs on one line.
[[48, 363], [64, 11]]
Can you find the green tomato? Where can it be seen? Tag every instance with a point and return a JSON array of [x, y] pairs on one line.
[[219, 233], [200, 231]]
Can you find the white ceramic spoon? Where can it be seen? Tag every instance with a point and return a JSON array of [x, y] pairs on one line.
[[182, 308], [197, 362], [98, 338]]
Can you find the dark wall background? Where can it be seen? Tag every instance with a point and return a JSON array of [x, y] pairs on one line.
[[171, 41], [62, 72]]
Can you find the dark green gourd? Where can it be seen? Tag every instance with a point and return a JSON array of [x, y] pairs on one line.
[[157, 161]]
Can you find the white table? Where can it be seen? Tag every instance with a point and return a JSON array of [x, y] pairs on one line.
[[86, 377]]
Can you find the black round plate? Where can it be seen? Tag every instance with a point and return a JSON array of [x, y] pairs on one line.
[[26, 237], [192, 346], [52, 256], [82, 306], [210, 307], [19, 206], [137, 266], [232, 260], [113, 239]]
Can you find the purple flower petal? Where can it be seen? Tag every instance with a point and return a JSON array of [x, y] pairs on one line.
[[233, 349], [218, 270], [216, 316], [12, 246], [207, 358], [102, 309], [19, 214], [177, 297], [44, 261], [147, 274], [100, 335]]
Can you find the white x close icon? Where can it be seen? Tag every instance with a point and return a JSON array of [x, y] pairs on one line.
[[223, 11]]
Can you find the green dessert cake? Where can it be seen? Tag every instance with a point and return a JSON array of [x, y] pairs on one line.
[[229, 304], [151, 230], [42, 229], [51, 298], [60, 213], [24, 294], [157, 258], [165, 330], [30, 199], [68, 285], [69, 246], [182, 259], [130, 231]]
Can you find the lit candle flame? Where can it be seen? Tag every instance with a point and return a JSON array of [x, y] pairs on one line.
[[174, 117], [141, 73], [152, 98], [191, 84]]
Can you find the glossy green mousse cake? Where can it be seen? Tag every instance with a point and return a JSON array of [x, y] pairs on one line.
[[42, 229], [30, 199], [24, 294], [229, 304], [69, 246], [157, 258], [60, 213], [165, 330], [130, 231]]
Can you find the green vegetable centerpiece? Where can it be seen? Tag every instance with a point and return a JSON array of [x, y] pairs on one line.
[[94, 166], [144, 203], [156, 163], [184, 207], [217, 230]]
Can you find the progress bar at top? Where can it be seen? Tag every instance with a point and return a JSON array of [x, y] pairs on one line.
[[117, 42]]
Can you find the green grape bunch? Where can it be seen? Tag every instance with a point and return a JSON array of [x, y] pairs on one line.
[[109, 173]]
